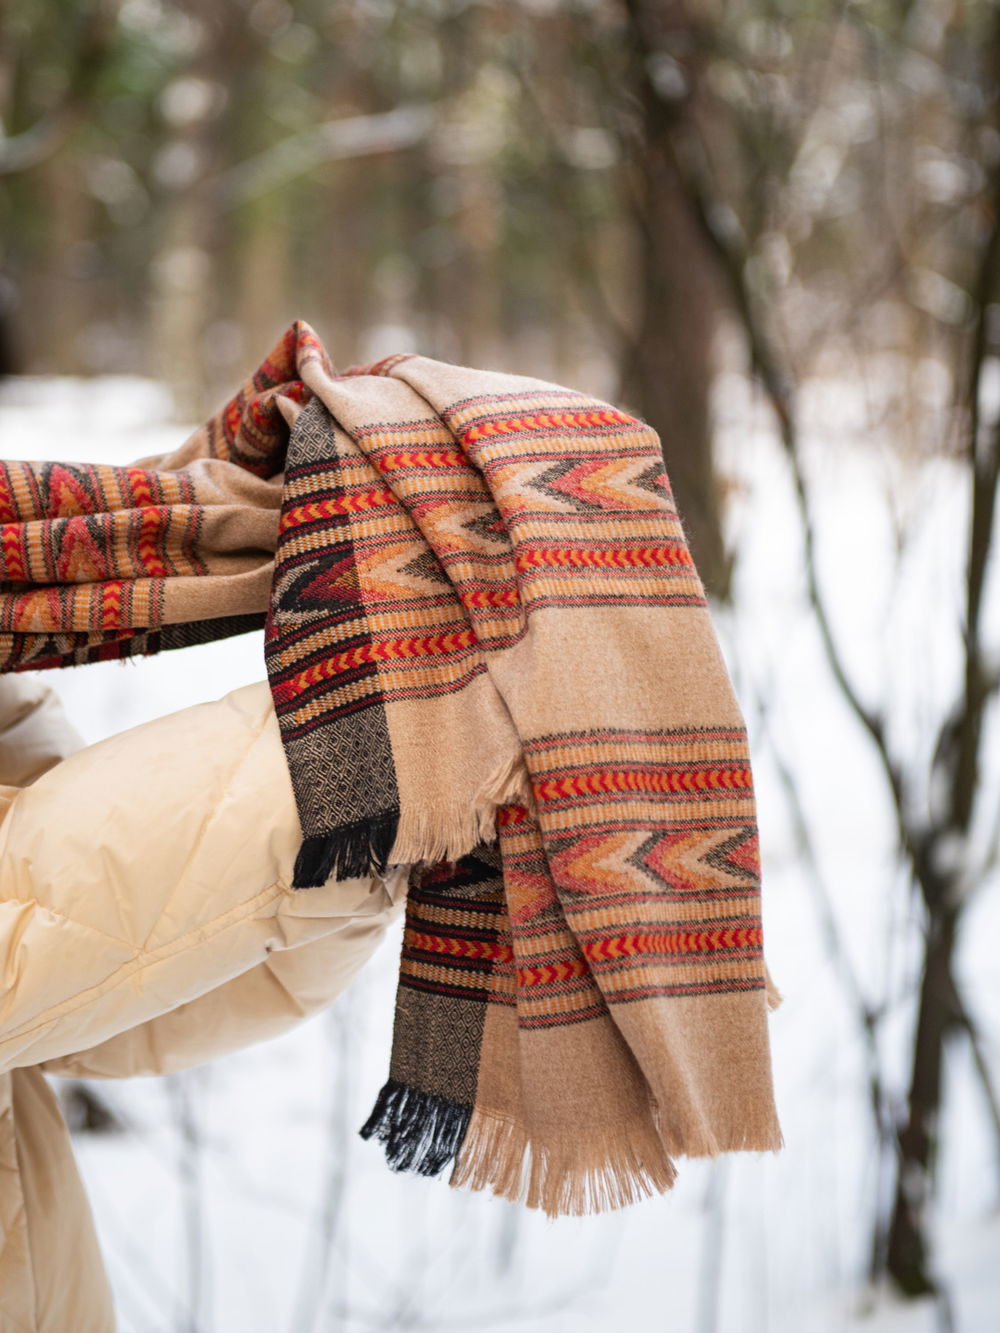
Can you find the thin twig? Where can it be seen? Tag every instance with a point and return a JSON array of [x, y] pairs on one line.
[[968, 1025], [336, 140], [778, 391]]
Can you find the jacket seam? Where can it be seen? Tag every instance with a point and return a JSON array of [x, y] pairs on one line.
[[144, 959], [75, 922], [209, 823]]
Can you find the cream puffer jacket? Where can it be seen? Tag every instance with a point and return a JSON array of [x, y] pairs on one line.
[[147, 924]]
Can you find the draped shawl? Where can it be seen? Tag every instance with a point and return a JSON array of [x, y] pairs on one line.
[[492, 660]]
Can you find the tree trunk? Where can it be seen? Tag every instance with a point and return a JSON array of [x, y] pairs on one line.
[[667, 375], [907, 1250]]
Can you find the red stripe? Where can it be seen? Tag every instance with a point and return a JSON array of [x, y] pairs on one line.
[[573, 557], [432, 645], [459, 948], [10, 549], [673, 941], [637, 780], [440, 457], [355, 503], [542, 420], [550, 974], [153, 523], [511, 814]]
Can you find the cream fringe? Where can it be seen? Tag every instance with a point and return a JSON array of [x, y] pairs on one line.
[[753, 1129], [566, 1178], [449, 834]]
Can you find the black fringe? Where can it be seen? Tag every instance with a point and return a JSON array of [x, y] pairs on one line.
[[351, 851], [421, 1131]]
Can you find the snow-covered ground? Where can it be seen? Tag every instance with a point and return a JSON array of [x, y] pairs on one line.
[[253, 1163]]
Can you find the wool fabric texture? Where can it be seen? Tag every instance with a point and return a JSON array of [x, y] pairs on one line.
[[492, 660]]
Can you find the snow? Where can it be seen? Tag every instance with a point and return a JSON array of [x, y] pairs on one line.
[[300, 1227]]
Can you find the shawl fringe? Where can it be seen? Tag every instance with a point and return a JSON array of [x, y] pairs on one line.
[[569, 1177], [754, 1129], [421, 1131], [447, 835], [352, 851]]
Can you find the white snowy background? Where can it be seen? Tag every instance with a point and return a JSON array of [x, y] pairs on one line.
[[240, 1199]]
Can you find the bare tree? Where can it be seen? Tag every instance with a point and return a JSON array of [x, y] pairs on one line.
[[935, 809], [667, 368]]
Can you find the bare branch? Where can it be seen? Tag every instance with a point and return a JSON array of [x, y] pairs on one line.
[[587, 268], [868, 1015], [728, 249], [336, 140]]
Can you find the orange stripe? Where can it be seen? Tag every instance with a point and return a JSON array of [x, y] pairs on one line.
[[111, 605], [563, 557], [674, 941], [153, 520], [356, 503], [459, 948], [140, 487], [491, 597], [545, 421], [511, 814], [426, 646], [10, 544], [548, 974], [8, 506], [424, 458], [669, 780]]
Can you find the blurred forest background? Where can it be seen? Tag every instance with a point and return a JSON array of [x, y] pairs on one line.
[[645, 199]]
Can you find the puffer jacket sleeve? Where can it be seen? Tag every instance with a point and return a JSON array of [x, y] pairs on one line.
[[35, 732], [146, 916], [340, 931], [52, 1276]]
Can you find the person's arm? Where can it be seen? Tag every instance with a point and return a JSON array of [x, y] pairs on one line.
[[145, 899], [35, 732]]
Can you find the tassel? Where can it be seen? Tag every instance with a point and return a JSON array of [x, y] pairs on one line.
[[352, 851], [421, 1131]]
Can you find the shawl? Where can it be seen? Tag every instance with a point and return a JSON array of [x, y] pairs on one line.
[[492, 660]]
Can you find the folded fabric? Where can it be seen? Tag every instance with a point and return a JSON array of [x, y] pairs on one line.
[[492, 659], [100, 562]]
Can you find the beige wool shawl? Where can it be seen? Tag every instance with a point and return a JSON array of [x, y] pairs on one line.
[[492, 659]]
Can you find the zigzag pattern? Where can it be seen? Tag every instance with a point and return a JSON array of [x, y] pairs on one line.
[[150, 541], [251, 430], [112, 599], [701, 858], [494, 951], [552, 975], [502, 556], [544, 422], [84, 552], [332, 506], [15, 567], [388, 650], [691, 914], [607, 781], [457, 940], [648, 943], [594, 558]]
